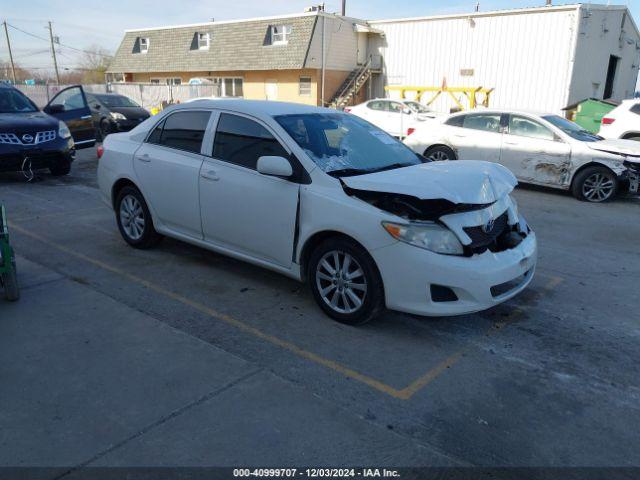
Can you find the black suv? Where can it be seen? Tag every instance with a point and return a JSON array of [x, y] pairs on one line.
[[31, 139]]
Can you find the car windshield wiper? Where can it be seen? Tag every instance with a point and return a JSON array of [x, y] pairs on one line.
[[393, 166], [347, 172]]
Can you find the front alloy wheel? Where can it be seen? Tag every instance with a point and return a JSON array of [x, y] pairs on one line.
[[341, 282], [595, 184], [345, 281]]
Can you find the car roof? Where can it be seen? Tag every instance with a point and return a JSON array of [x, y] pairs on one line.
[[515, 111], [264, 108]]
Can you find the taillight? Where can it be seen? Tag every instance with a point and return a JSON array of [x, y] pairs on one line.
[[100, 151], [347, 109], [410, 131], [607, 120]]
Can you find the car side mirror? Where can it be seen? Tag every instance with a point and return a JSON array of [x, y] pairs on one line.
[[55, 108], [406, 111], [274, 166]]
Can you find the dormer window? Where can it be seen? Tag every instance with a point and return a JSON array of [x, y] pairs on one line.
[[280, 34], [203, 41], [144, 45]]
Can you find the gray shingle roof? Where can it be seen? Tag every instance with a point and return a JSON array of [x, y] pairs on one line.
[[233, 46]]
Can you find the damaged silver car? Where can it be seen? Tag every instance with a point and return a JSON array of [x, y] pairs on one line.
[[542, 149]]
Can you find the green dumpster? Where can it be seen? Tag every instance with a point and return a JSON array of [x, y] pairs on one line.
[[589, 112]]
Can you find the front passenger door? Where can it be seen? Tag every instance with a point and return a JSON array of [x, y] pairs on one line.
[[70, 105], [534, 153], [242, 210]]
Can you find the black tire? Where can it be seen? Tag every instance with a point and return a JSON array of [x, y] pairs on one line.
[[60, 169], [105, 129], [372, 300], [440, 153], [585, 185], [148, 237], [10, 283]]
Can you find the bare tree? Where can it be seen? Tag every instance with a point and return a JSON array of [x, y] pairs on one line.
[[94, 63]]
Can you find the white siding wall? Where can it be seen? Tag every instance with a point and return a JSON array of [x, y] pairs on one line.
[[341, 44], [524, 56], [599, 37]]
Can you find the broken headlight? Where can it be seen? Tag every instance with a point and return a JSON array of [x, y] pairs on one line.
[[429, 236]]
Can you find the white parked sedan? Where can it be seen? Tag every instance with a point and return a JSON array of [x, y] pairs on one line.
[[543, 149], [324, 197], [396, 117]]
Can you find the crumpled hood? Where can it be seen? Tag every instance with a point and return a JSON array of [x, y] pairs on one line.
[[459, 181], [622, 147]]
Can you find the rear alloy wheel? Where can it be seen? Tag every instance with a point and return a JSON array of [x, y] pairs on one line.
[[134, 219], [345, 282], [440, 153], [595, 184]]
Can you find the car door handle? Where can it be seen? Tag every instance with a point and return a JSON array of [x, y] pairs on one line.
[[144, 157], [210, 175], [510, 143], [459, 135]]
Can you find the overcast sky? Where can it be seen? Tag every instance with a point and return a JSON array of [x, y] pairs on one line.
[[83, 23]]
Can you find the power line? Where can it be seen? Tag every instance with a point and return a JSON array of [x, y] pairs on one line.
[[58, 43]]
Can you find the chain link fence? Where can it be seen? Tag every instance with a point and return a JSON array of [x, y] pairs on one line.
[[151, 97]]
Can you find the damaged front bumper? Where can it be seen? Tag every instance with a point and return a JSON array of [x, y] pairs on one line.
[[633, 174], [425, 283]]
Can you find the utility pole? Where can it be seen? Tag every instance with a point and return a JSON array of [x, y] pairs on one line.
[[53, 53], [13, 67]]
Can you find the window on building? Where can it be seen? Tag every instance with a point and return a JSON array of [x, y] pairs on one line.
[[115, 77], [154, 81], [304, 87], [280, 34], [182, 131], [144, 45], [242, 141], [173, 81], [203, 41], [229, 86]]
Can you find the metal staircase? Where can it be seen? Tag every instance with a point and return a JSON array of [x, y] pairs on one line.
[[351, 86]]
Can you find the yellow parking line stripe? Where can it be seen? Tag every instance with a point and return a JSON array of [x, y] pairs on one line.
[[335, 366], [402, 394]]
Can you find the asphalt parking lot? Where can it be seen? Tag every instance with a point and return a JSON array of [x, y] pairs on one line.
[[179, 356]]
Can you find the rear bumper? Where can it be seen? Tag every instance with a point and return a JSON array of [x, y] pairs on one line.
[[13, 158]]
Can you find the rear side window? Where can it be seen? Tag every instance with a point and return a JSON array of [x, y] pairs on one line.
[[182, 131], [378, 105], [242, 141], [635, 109], [155, 135], [455, 121], [488, 122]]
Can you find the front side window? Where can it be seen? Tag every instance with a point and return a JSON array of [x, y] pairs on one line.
[[242, 141], [488, 122], [70, 99], [203, 41], [342, 144], [527, 127], [13, 101], [396, 107], [280, 34], [304, 88], [182, 131]]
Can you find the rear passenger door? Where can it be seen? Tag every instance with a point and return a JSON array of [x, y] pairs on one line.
[[242, 210], [476, 136], [167, 165]]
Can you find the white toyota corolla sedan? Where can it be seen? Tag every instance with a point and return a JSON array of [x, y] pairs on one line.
[[324, 197], [544, 149]]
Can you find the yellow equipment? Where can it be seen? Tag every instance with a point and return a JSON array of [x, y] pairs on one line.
[[475, 95]]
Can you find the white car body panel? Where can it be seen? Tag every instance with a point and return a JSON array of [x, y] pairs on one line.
[[551, 163], [394, 123], [625, 123], [267, 221]]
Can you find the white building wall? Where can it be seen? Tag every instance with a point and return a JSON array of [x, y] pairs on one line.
[[341, 44], [605, 31], [525, 55]]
